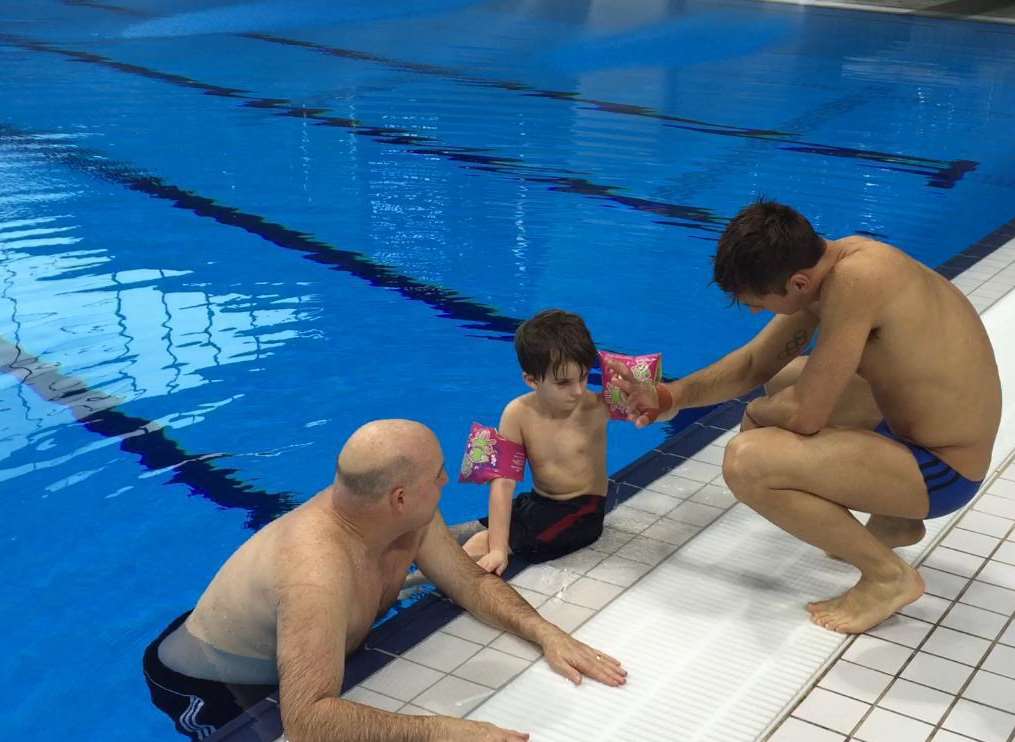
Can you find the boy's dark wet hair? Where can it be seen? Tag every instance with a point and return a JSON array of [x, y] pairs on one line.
[[552, 339], [762, 247]]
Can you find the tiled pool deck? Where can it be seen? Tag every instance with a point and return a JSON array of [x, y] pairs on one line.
[[944, 669]]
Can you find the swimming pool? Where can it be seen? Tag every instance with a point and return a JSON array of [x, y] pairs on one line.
[[230, 235]]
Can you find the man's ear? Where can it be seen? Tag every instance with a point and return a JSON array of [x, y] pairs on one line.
[[529, 379], [798, 283], [398, 499]]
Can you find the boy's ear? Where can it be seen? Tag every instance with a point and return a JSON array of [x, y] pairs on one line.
[[529, 379]]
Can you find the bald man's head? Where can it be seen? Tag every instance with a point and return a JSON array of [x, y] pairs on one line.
[[386, 454]]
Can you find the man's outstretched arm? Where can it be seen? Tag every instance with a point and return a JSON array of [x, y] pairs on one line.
[[493, 601], [778, 343]]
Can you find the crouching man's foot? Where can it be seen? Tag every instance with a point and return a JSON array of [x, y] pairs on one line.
[[870, 601]]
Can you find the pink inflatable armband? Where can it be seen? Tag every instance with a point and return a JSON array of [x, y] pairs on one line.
[[644, 368], [489, 455]]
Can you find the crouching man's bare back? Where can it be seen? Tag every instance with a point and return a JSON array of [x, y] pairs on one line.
[[303, 592], [894, 413]]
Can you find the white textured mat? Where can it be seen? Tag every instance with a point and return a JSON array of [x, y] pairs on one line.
[[716, 641]]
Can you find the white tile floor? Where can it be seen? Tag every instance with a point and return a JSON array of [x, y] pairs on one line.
[[944, 669]]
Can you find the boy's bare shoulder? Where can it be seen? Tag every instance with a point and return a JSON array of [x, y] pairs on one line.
[[523, 404]]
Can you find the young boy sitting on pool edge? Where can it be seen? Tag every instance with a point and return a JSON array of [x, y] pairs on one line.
[[562, 426]]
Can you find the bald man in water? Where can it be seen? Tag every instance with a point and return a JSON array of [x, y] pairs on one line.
[[303, 592]]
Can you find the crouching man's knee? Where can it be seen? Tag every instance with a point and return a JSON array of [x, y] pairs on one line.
[[744, 466]]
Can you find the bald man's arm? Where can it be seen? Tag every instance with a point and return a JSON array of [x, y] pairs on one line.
[[482, 594], [492, 600], [311, 638]]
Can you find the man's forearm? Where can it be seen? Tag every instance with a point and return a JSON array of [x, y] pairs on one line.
[[725, 379], [496, 603], [779, 411], [337, 720]]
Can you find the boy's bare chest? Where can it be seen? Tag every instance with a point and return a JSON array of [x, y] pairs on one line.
[[571, 439]]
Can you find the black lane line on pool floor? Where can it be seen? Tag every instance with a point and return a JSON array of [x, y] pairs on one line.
[[416, 623], [471, 158], [939, 173], [148, 440]]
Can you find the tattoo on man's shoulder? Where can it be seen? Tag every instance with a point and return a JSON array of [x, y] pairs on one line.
[[793, 347]]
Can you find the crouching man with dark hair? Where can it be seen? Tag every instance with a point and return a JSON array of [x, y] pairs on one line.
[[894, 413]]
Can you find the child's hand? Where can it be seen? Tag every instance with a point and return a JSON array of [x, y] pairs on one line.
[[495, 561]]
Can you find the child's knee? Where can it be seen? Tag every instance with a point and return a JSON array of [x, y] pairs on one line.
[[478, 545]]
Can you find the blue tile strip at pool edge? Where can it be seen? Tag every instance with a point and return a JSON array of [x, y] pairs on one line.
[[434, 612]]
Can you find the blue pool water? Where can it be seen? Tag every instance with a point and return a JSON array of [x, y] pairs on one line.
[[232, 233]]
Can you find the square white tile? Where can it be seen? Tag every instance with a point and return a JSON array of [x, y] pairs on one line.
[[855, 681], [367, 697], [902, 630], [653, 502], [955, 562], [675, 486], [612, 539], [452, 696], [695, 513], [1005, 552], [942, 584], [973, 620], [711, 454], [1008, 637], [671, 531], [992, 690], [990, 597], [632, 520], [831, 710], [491, 668], [1002, 488], [698, 471], [877, 654], [990, 525], [998, 573], [797, 730], [953, 645], [980, 722], [543, 579], [937, 672], [717, 497], [471, 628], [517, 646], [591, 593], [646, 550], [970, 542], [1001, 660], [1001, 507], [580, 561], [567, 616], [402, 679], [882, 726], [619, 571], [928, 608], [918, 701], [530, 596], [442, 651]]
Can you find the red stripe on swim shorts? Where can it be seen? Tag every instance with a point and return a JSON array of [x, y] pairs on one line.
[[549, 534]]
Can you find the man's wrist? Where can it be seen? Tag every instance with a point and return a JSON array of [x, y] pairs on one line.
[[546, 632]]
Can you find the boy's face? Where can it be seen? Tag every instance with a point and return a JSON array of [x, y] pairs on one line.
[[561, 391]]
